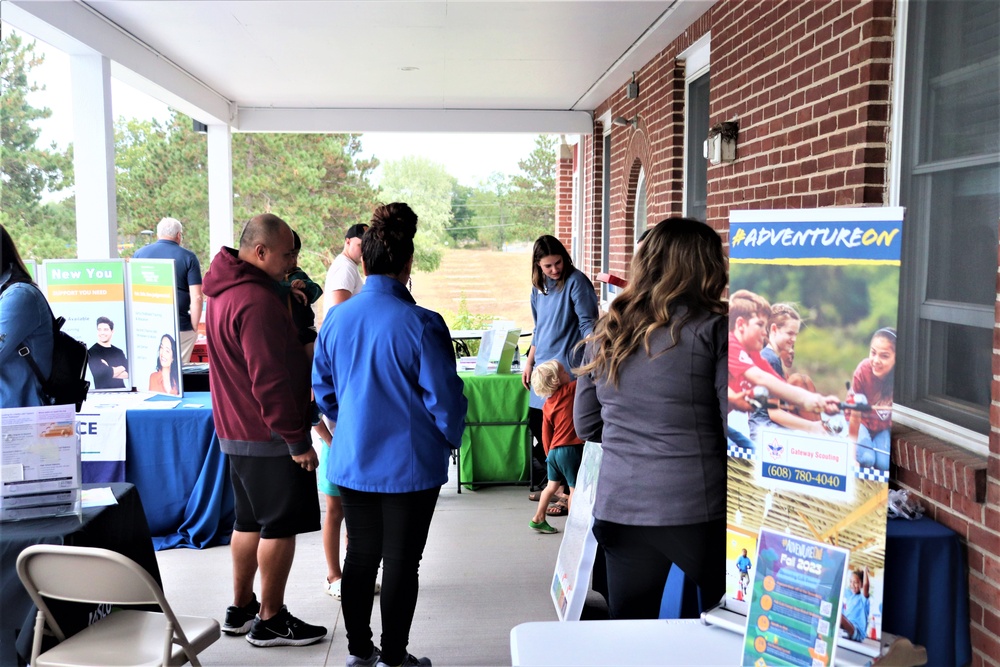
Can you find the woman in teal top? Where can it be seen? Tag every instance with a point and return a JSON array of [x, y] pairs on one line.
[[25, 319], [564, 308]]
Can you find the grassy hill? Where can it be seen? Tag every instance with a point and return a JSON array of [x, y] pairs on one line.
[[490, 282]]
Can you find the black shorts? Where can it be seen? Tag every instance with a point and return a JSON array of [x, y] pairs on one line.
[[275, 496]]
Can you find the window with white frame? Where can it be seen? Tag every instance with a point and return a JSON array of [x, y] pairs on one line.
[[949, 182], [695, 133], [696, 60], [639, 209], [606, 208]]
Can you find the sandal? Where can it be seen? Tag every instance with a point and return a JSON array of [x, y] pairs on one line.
[[534, 496], [557, 509]]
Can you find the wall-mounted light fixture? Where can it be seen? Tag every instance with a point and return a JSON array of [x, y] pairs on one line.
[[721, 143], [621, 121]]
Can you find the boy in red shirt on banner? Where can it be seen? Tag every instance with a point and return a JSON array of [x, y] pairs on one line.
[[563, 447]]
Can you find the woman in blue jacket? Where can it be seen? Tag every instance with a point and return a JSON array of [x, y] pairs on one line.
[[25, 319], [384, 371]]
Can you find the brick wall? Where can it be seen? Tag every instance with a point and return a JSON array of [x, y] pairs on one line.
[[565, 160], [809, 85]]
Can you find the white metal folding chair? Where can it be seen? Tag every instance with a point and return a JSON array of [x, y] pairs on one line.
[[123, 637]]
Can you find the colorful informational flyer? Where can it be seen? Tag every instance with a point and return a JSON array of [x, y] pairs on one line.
[[575, 561], [90, 295], [155, 336], [812, 300], [795, 607]]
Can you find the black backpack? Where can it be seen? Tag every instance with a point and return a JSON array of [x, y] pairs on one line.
[[66, 384]]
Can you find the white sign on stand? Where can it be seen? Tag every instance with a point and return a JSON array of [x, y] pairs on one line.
[[575, 561], [496, 350]]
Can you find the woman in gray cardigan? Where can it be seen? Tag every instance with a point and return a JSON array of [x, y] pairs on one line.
[[655, 381]]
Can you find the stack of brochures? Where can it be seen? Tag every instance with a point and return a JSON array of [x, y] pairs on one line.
[[39, 462]]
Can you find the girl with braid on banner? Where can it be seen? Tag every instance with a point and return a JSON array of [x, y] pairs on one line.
[[874, 378]]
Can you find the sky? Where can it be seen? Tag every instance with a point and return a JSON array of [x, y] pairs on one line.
[[470, 158]]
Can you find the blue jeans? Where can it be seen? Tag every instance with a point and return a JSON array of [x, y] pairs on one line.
[[873, 450], [392, 528]]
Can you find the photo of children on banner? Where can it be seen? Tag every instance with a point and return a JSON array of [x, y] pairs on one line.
[[753, 380], [761, 354], [743, 565], [873, 379]]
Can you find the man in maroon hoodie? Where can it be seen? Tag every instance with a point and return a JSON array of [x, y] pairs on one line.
[[260, 384]]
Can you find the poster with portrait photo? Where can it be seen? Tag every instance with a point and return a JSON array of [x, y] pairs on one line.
[[90, 295], [155, 336], [813, 297]]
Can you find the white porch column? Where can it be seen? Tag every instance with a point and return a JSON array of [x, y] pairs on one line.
[[94, 158], [220, 188]]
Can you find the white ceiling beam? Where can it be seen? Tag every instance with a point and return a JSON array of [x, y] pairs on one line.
[[76, 29], [252, 119], [674, 20]]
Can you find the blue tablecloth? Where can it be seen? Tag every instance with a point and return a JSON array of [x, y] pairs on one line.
[[926, 589], [174, 460]]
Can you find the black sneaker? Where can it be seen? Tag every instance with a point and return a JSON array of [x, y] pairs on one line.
[[239, 619], [410, 661], [283, 629]]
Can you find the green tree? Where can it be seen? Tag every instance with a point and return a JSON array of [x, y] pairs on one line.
[[532, 194], [492, 206], [27, 170], [161, 172], [427, 187], [463, 216], [313, 181]]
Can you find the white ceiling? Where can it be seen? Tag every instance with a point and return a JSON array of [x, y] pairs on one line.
[[375, 65]]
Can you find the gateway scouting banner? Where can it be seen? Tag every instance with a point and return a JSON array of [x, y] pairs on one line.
[[813, 297]]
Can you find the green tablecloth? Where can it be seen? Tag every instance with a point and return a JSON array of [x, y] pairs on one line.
[[496, 438]]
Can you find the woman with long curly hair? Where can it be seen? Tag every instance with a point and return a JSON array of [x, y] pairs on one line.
[[655, 379]]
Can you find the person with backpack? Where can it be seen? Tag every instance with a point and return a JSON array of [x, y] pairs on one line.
[[25, 320]]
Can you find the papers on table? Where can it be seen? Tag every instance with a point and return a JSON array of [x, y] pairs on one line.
[[99, 497]]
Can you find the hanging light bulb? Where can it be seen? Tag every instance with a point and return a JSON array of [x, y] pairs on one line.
[[768, 502], [739, 517]]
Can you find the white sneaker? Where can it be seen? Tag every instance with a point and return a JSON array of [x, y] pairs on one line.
[[332, 588]]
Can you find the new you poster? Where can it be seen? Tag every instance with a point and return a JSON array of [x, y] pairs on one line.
[[812, 339]]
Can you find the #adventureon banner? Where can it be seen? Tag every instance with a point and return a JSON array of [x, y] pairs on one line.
[[813, 298]]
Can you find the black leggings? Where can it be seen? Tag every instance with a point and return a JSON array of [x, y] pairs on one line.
[[639, 560], [392, 528], [539, 471]]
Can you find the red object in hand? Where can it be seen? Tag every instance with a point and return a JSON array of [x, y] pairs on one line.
[[611, 279]]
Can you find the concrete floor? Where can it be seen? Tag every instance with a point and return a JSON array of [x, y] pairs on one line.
[[483, 572]]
